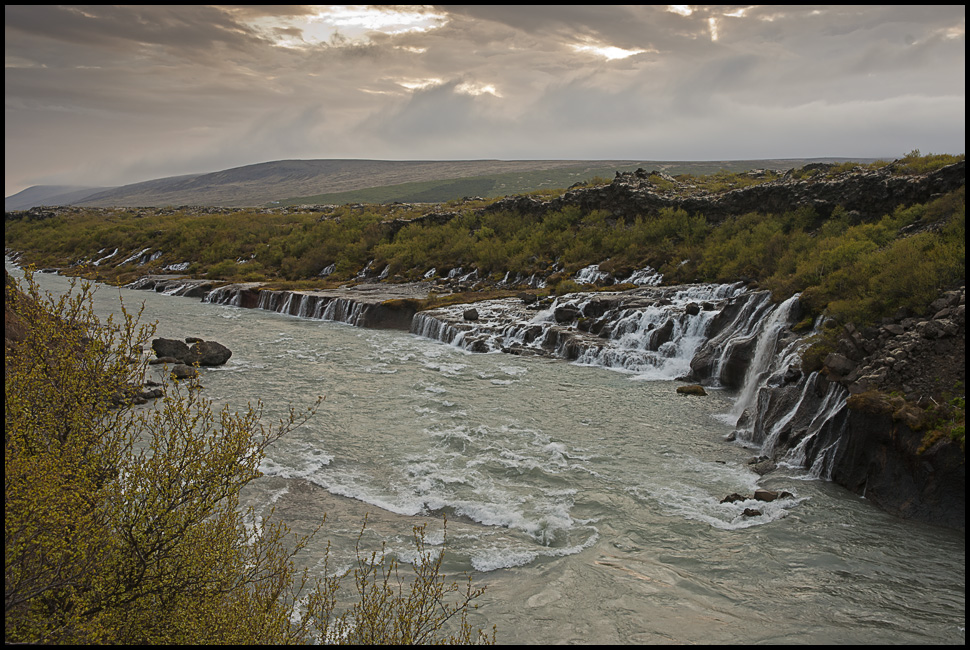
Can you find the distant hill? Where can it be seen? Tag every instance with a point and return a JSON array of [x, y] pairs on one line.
[[271, 182], [287, 182], [49, 195]]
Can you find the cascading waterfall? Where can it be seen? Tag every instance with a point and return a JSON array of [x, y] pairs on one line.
[[301, 305], [741, 330], [765, 355], [429, 327], [224, 296], [823, 435], [637, 345], [654, 334]]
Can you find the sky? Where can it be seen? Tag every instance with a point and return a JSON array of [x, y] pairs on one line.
[[101, 95]]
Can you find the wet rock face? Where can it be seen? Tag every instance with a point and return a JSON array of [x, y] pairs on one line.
[[879, 459]]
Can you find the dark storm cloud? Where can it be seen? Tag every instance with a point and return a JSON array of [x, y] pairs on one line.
[[186, 29], [117, 94]]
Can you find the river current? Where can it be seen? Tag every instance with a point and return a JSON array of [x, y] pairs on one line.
[[586, 500]]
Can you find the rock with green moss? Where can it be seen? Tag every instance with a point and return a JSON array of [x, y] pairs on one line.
[[691, 389]]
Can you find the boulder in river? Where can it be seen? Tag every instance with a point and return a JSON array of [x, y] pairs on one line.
[[208, 353], [202, 353]]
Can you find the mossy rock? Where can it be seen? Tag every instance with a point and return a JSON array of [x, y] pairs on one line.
[[874, 402], [691, 389]]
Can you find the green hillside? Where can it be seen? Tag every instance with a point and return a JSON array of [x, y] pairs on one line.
[[524, 182]]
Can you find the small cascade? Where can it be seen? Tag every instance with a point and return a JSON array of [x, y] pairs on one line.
[[780, 425], [269, 300], [590, 275], [343, 310], [740, 332], [98, 261], [139, 257], [656, 342], [646, 276], [299, 304], [425, 325], [766, 355], [224, 296], [653, 332], [816, 449]]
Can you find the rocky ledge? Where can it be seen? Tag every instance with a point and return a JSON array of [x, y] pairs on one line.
[[920, 358], [867, 193]]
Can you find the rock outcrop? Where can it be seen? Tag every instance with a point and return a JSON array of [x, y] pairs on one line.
[[913, 356], [869, 193], [199, 353], [880, 457]]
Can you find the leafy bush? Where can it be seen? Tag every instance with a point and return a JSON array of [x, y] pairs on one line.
[[916, 163]]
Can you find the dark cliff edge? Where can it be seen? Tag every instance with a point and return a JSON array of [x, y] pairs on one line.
[[879, 458], [869, 193]]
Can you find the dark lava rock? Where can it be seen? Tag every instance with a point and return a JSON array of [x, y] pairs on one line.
[[172, 348], [208, 353], [765, 495]]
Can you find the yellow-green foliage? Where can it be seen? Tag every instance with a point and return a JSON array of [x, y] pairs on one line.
[[392, 609], [858, 270], [938, 421], [123, 525], [947, 420], [916, 163]]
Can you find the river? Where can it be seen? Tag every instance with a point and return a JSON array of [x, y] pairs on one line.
[[586, 500]]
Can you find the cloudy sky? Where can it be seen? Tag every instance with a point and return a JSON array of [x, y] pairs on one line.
[[111, 95]]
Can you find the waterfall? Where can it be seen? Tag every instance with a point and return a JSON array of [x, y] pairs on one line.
[[301, 305], [765, 355], [654, 332], [344, 310], [823, 434], [590, 275], [429, 327], [224, 296], [739, 331]]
